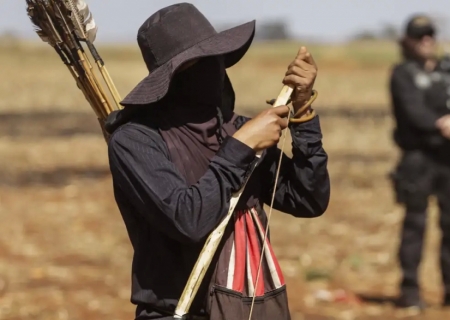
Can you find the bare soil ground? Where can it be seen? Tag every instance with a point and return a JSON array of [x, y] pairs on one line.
[[64, 251]]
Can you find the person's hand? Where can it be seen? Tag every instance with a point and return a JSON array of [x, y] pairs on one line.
[[301, 75], [443, 124], [264, 130]]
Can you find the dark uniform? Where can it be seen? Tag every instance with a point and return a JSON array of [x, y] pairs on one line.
[[419, 99]]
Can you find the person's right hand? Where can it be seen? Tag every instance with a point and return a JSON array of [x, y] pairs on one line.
[[264, 130]]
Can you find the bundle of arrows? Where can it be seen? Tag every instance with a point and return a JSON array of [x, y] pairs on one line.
[[68, 26]]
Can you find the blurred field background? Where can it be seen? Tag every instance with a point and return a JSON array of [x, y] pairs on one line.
[[64, 251]]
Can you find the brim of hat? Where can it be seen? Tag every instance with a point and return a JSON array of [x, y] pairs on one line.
[[232, 44]]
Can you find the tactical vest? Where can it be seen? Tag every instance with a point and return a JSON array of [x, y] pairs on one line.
[[435, 85]]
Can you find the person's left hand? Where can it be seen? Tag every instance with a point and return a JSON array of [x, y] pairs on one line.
[[443, 125], [301, 75]]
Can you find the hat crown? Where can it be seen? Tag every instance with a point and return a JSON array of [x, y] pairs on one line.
[[170, 31]]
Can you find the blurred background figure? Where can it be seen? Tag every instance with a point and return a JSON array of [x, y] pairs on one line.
[[420, 92]]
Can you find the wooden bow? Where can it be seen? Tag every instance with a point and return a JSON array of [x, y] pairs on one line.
[[213, 241]]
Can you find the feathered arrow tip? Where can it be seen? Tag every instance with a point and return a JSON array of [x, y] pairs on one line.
[[84, 22], [38, 21]]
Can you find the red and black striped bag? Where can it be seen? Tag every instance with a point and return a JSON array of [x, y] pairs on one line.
[[234, 281]]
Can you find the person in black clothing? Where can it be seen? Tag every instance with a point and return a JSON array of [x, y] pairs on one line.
[[420, 91], [178, 151]]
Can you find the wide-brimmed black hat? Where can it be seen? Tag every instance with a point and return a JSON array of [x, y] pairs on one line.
[[175, 35]]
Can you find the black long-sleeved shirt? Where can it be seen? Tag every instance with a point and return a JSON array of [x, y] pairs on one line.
[[168, 221], [417, 108]]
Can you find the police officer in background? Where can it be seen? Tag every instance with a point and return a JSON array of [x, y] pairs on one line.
[[420, 93]]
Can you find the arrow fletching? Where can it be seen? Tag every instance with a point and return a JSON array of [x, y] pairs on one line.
[[83, 20]]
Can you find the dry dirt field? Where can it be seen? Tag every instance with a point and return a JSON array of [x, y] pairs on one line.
[[64, 252]]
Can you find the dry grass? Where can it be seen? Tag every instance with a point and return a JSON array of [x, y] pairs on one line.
[[64, 251], [354, 75]]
